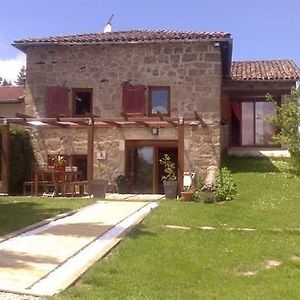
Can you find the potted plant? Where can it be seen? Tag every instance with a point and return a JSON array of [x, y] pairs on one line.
[[99, 185], [169, 177], [187, 193], [59, 163], [122, 183]]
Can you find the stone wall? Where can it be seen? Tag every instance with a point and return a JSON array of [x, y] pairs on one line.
[[9, 110], [192, 70]]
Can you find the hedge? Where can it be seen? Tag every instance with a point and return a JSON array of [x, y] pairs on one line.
[[21, 159]]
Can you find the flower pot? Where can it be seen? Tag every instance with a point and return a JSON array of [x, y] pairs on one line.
[[99, 188], [187, 196], [170, 188], [123, 188]]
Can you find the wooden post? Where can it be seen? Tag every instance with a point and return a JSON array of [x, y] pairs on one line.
[[5, 157], [180, 153], [90, 155]]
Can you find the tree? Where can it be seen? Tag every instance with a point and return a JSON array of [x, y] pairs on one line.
[[21, 76], [4, 82], [287, 122]]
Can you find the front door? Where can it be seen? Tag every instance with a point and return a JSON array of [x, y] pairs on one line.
[[142, 164]]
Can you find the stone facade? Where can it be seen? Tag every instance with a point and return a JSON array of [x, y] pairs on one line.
[[192, 70]]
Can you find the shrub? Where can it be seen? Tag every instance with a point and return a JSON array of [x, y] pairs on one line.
[[225, 187], [205, 197], [21, 159], [198, 182]]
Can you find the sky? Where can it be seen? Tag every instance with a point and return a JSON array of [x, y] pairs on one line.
[[261, 29]]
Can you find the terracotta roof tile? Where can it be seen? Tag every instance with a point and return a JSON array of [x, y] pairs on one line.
[[265, 70], [11, 93], [137, 36]]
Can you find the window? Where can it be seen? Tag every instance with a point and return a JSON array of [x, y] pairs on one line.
[[159, 100], [57, 101], [82, 101], [248, 124], [133, 99], [135, 102]]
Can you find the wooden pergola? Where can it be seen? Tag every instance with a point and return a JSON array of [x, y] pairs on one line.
[[90, 123]]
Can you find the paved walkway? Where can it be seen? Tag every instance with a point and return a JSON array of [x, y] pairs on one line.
[[47, 259]]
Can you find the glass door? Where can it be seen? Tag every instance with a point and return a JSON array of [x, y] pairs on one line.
[[249, 126], [142, 164], [140, 169]]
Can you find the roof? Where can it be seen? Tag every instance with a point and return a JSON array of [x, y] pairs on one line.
[[11, 94], [132, 36], [265, 70]]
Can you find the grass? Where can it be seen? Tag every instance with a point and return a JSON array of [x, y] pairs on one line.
[[18, 212], [157, 262]]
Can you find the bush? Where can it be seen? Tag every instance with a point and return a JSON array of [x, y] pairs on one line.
[[205, 197], [225, 187], [198, 182], [21, 159]]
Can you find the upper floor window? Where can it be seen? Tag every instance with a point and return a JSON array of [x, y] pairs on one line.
[[135, 101], [82, 101], [159, 100]]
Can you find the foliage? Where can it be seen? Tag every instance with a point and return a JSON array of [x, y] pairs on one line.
[[121, 179], [59, 160], [225, 187], [4, 82], [287, 121], [205, 197], [198, 182], [169, 168], [21, 76], [21, 159]]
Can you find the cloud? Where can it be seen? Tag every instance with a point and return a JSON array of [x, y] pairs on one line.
[[10, 67]]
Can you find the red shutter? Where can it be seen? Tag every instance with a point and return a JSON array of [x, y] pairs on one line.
[[134, 99], [57, 101]]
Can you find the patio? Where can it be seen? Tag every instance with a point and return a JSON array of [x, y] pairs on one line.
[[90, 123]]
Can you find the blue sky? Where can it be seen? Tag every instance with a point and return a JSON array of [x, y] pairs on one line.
[[261, 29]]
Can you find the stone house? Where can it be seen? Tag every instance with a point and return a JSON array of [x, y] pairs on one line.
[[137, 88]]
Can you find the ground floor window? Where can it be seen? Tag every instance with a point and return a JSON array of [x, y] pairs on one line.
[[248, 125]]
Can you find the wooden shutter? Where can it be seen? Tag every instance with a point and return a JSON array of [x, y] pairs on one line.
[[57, 101], [225, 107], [134, 99]]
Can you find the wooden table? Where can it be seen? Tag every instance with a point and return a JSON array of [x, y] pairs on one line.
[[59, 179]]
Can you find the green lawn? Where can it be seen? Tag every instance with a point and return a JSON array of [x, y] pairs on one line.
[[156, 262], [17, 212]]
